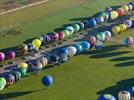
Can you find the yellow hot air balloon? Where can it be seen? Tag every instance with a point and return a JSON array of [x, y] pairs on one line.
[[36, 43], [23, 65], [114, 14], [115, 30], [122, 27], [125, 8]]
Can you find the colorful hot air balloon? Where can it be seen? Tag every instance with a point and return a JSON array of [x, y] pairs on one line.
[[36, 43], [47, 80], [2, 56], [106, 97], [99, 20], [61, 35], [108, 9], [2, 83], [128, 23], [66, 34], [125, 8], [36, 67], [63, 50], [23, 65], [105, 16], [129, 41], [130, 7], [91, 22], [41, 38], [71, 51], [101, 36], [11, 55], [78, 48], [115, 30], [53, 36], [10, 79], [23, 49], [23, 72], [113, 14], [85, 45], [132, 4], [92, 40], [76, 27], [124, 95], [30, 46], [108, 35], [120, 12], [70, 29], [43, 61], [16, 74], [47, 39], [122, 27], [81, 24]]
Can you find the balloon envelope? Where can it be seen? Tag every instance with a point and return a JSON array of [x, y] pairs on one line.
[[23, 49], [62, 58], [43, 61], [70, 29], [128, 23], [120, 12], [61, 35], [81, 24], [47, 80], [76, 27], [47, 39], [91, 22], [66, 33], [98, 45], [11, 55], [10, 79], [113, 15], [106, 97], [108, 35], [122, 27], [129, 41], [16, 74], [2, 83], [36, 43], [23, 72], [115, 30], [101, 36], [71, 51], [23, 65], [92, 40], [36, 66], [99, 20], [2, 56], [30, 46], [78, 48], [125, 8], [85, 45], [63, 50]]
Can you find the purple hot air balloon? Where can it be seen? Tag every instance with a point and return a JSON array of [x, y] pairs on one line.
[[11, 55], [53, 36], [2, 56]]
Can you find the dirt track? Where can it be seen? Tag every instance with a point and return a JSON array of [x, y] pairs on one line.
[[16, 9]]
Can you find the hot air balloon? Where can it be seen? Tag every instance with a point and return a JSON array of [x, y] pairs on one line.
[[124, 95], [98, 45], [131, 91], [101, 36], [66, 34], [70, 29], [43, 61], [41, 38], [71, 51], [16, 74], [2, 83], [92, 40], [78, 48], [129, 41], [99, 20], [23, 49], [106, 97], [120, 12], [130, 7], [53, 36], [115, 30], [10, 79], [61, 35], [108, 9], [11, 55], [23, 72], [122, 27], [76, 27], [125, 8], [91, 22], [81, 24], [36, 43], [63, 50], [2, 57], [132, 4], [113, 14], [23, 65], [30, 46], [108, 35], [85, 45], [105, 16], [36, 67], [47, 80], [47, 39], [128, 23]]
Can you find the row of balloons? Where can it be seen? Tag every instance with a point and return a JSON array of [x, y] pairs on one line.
[[122, 95], [63, 53]]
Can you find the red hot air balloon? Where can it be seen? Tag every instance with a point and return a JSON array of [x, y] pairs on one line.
[[2, 56], [11, 55]]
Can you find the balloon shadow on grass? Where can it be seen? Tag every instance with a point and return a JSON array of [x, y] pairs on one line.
[[122, 59], [7, 96], [125, 64], [115, 89]]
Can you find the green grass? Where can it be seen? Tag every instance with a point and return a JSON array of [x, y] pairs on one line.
[[83, 76]]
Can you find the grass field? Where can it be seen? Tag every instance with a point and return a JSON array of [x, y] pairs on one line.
[[83, 77]]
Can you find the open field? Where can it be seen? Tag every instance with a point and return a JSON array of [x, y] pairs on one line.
[[84, 77]]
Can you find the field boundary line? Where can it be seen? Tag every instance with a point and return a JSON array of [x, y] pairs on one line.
[[23, 7]]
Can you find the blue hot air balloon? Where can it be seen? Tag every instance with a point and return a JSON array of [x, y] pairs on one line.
[[91, 22], [85, 45], [78, 48], [47, 80]]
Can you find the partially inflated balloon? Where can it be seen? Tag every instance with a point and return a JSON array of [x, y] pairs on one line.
[[101, 36], [122, 27], [76, 27], [128, 23], [11, 55], [43, 61], [91, 22], [36, 43], [108, 35], [125, 8], [2, 56], [115, 30], [106, 97], [47, 80], [61, 35], [70, 29], [114, 15], [129, 41], [71, 51], [78, 48], [85, 45]]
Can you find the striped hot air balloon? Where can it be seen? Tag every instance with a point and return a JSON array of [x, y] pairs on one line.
[[124, 95]]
